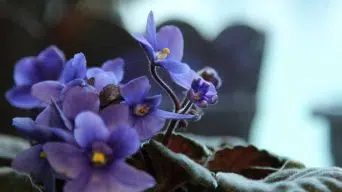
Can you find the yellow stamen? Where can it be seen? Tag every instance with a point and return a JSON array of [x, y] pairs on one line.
[[42, 155], [197, 96], [141, 110], [99, 158], [163, 53]]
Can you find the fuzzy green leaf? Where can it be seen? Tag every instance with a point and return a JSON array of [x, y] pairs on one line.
[[285, 180], [174, 170]]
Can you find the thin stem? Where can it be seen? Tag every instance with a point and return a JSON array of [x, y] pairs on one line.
[[174, 123], [163, 84]]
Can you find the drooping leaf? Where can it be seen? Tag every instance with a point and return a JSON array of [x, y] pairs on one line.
[[180, 143], [13, 181], [174, 170], [247, 161], [285, 180], [10, 147]]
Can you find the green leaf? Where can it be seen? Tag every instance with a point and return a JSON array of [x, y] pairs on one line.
[[245, 160], [10, 147], [174, 170], [180, 143], [285, 180], [13, 181]]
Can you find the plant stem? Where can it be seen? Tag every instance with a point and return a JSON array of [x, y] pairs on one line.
[[174, 123], [163, 84]]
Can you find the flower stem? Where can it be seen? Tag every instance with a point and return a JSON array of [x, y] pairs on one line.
[[163, 84], [187, 105]]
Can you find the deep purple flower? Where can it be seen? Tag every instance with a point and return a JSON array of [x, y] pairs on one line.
[[97, 163], [33, 160], [48, 65], [164, 48], [74, 69], [202, 93], [210, 74], [146, 117]]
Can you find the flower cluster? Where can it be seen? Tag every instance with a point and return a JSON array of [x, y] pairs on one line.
[[91, 122]]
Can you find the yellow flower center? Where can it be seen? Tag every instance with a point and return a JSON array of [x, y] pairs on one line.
[[99, 158], [141, 110], [197, 96], [163, 53], [42, 155]]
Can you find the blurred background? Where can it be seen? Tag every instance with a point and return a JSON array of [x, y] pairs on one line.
[[279, 61]]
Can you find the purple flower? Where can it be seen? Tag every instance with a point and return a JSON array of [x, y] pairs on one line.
[[74, 70], [202, 93], [110, 73], [164, 48], [48, 65], [33, 160], [146, 117], [74, 100], [97, 163], [210, 75]]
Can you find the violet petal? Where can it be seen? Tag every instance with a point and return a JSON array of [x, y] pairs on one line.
[[79, 99], [26, 72], [171, 37], [135, 90], [46, 90], [124, 141], [115, 115], [21, 97], [66, 159], [89, 127]]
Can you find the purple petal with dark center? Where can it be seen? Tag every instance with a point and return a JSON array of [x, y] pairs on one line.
[[171, 37], [130, 178], [66, 159], [21, 97], [146, 45], [136, 90], [46, 90], [79, 99], [124, 141], [75, 68], [148, 126], [51, 63], [115, 115], [151, 30], [115, 66], [26, 72], [184, 79], [89, 127], [102, 79], [170, 115], [174, 66]]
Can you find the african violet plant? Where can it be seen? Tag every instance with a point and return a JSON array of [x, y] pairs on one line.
[[97, 134]]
